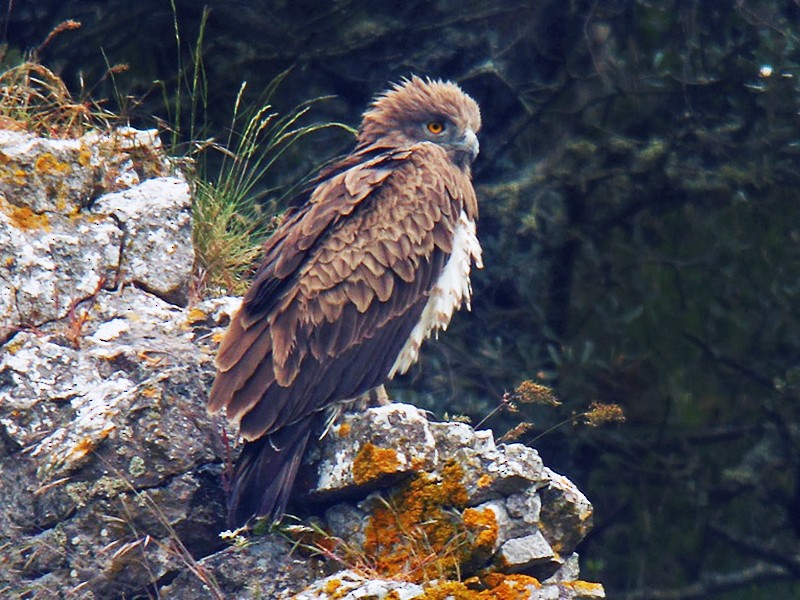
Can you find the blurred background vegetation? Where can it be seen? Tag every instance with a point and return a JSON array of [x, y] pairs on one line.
[[640, 195]]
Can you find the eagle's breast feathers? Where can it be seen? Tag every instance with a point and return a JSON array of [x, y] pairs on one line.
[[378, 259], [452, 290]]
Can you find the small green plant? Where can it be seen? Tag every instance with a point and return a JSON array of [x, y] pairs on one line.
[[231, 220]]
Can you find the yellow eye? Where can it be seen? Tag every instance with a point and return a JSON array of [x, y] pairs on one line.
[[435, 127]]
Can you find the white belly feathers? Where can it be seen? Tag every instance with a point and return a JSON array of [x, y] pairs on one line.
[[451, 291]]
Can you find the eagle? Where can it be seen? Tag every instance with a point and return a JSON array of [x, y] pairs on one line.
[[374, 259]]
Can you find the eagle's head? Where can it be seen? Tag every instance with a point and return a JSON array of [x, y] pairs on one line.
[[417, 110]]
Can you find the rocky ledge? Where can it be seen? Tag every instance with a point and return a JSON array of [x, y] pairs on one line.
[[112, 473]]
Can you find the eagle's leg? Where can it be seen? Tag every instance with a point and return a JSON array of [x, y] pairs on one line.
[[377, 396]]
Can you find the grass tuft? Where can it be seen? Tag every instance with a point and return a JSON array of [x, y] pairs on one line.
[[36, 100], [231, 218]]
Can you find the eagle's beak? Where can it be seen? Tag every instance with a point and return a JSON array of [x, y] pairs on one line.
[[469, 144]]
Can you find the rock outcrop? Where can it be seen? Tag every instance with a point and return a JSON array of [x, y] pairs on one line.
[[112, 473]]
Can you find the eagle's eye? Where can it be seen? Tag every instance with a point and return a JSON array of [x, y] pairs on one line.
[[435, 127]]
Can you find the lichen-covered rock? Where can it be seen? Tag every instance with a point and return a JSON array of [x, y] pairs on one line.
[[351, 585], [109, 463], [263, 568], [465, 504], [376, 458], [50, 264], [47, 175], [566, 513], [62, 241], [108, 447]]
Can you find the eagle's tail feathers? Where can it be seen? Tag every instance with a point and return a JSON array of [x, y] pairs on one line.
[[265, 472]]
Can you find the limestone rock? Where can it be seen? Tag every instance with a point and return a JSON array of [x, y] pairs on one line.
[[263, 568], [566, 512], [525, 553], [156, 219], [63, 241], [52, 264], [109, 463], [64, 175], [375, 457], [490, 470], [108, 447], [350, 585]]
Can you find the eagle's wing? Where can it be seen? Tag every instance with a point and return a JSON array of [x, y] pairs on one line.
[[344, 282]]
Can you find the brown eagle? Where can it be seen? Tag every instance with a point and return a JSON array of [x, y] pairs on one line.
[[353, 280]]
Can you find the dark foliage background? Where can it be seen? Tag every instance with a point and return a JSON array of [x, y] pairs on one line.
[[641, 223]]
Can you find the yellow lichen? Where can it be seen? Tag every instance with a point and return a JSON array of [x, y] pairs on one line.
[[195, 314], [484, 481], [332, 585], [48, 164], [344, 430], [23, 217], [14, 346], [84, 156], [494, 586], [373, 462]]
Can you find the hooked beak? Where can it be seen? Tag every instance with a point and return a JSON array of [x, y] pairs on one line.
[[465, 150], [469, 144]]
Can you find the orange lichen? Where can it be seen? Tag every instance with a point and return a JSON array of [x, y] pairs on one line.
[[512, 587], [417, 463], [23, 217], [484, 481], [344, 430], [483, 525], [371, 463], [151, 392], [585, 587], [418, 534], [448, 590], [85, 445]]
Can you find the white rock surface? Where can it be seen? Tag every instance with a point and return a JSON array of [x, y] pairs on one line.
[[62, 240]]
